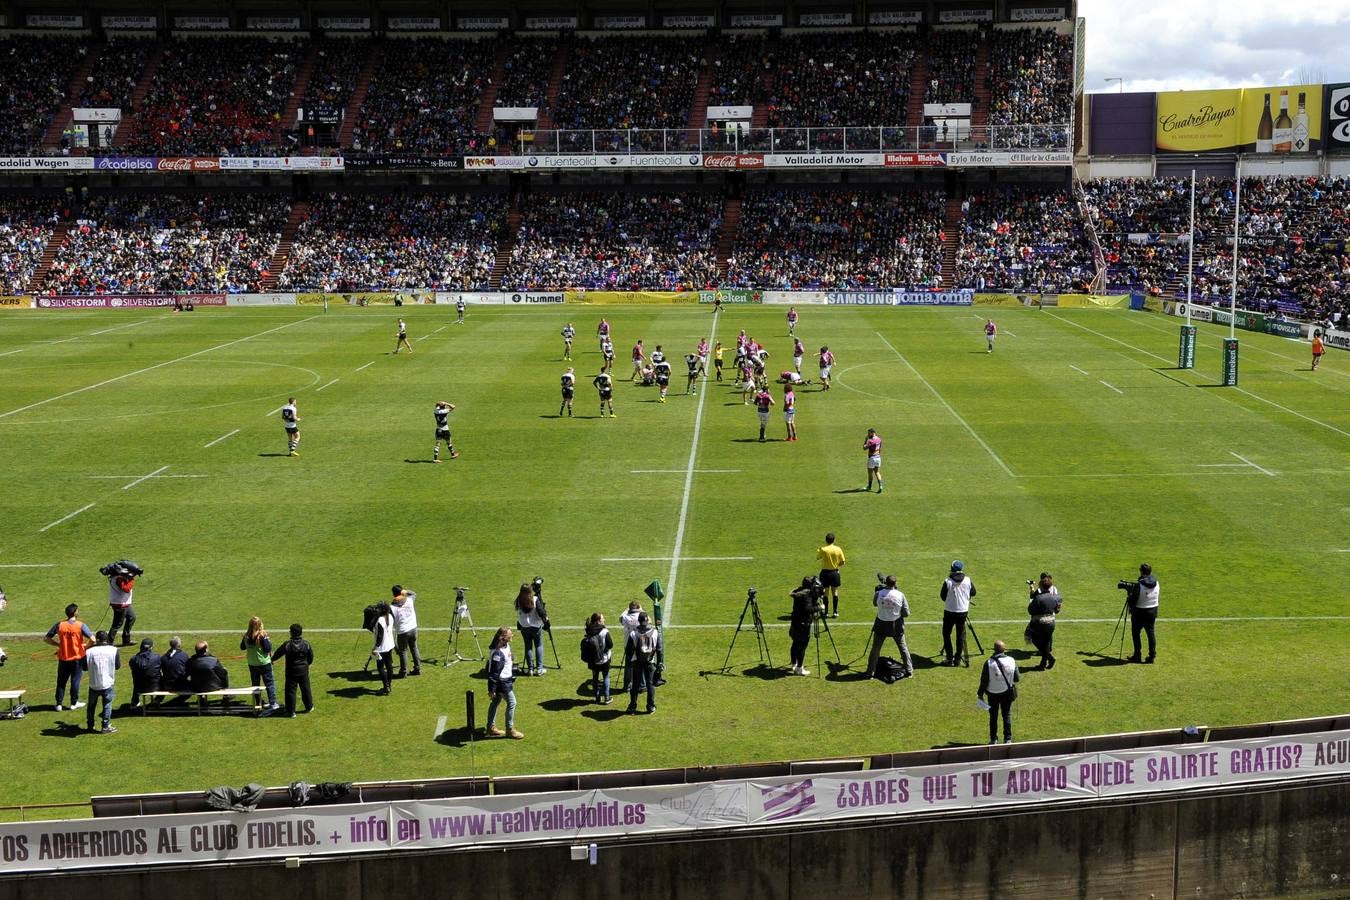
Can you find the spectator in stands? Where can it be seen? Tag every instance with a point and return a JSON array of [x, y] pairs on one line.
[[258, 649], [34, 77], [659, 75], [26, 226], [113, 77], [839, 79], [299, 657], [146, 671], [1023, 240], [1031, 87]]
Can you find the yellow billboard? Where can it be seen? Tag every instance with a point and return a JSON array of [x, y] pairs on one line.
[[1198, 121], [11, 301], [1266, 120]]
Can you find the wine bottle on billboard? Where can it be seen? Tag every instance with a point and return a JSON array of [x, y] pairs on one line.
[[1301, 142], [1265, 130], [1284, 126]]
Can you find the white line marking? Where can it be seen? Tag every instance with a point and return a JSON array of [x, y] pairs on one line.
[[127, 487], [1221, 465], [1111, 386], [125, 477], [65, 518], [1008, 333], [950, 409], [273, 412], [1076, 369], [169, 362], [12, 352], [681, 471], [688, 490], [440, 728], [1252, 464], [221, 438], [35, 565], [329, 384], [1235, 387], [1236, 470], [366, 366], [119, 327], [673, 558]]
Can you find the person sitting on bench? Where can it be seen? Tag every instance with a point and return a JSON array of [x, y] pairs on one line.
[[205, 673]]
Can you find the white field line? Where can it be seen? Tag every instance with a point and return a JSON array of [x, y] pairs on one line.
[[1007, 332], [1078, 370], [1221, 465], [114, 380], [329, 384], [437, 331], [12, 352], [66, 518], [440, 727], [221, 438], [1170, 620], [673, 558], [950, 409], [1292, 412], [366, 366], [1111, 386], [1227, 470], [681, 471], [127, 487], [688, 490], [125, 477], [1252, 464], [27, 565], [273, 412], [119, 327]]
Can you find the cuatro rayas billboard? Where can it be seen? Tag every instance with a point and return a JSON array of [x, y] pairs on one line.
[[1277, 119]]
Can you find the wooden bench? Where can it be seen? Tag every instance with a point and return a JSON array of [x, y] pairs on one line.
[[13, 697], [204, 697]]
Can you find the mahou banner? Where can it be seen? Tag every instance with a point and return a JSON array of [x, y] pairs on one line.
[[649, 812]]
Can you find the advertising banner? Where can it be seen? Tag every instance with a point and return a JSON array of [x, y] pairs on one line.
[[733, 160], [51, 21], [962, 297], [344, 23], [1007, 299], [1197, 121], [1337, 339], [687, 21], [272, 23], [830, 18], [1229, 375], [535, 297], [483, 23], [402, 162], [44, 163], [1037, 14], [128, 301], [1284, 329], [202, 23], [450, 298], [613, 23], [550, 23], [1186, 348], [821, 160], [260, 300], [731, 295], [786, 298], [1094, 301], [913, 160], [607, 298], [730, 113], [957, 16], [10, 301], [130, 23], [757, 20], [895, 17], [1338, 116], [96, 114], [715, 806], [414, 23], [1251, 120], [187, 164], [1122, 124], [282, 163], [947, 110], [1013, 158], [1246, 320]]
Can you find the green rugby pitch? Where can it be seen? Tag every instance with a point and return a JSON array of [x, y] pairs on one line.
[[1076, 447]]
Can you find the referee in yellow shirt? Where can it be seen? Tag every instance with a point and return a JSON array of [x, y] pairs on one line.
[[831, 558]]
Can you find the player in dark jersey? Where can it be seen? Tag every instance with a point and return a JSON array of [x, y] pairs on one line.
[[661, 372], [691, 360], [568, 333], [569, 384], [442, 412], [604, 383], [402, 337]]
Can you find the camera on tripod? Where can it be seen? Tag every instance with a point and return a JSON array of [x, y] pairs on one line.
[[1131, 589], [461, 602], [751, 593], [122, 568]]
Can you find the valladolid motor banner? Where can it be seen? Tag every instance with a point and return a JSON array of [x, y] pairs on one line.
[[646, 812]]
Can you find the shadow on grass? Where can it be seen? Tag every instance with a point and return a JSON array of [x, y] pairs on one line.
[[353, 693], [605, 715], [767, 440], [861, 490], [419, 461], [272, 455], [355, 675], [1098, 661], [844, 672], [550, 417], [1023, 654], [563, 704], [458, 737], [64, 729]]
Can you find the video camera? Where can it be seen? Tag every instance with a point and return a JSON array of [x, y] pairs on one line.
[[1131, 589], [537, 587], [751, 593], [122, 568]]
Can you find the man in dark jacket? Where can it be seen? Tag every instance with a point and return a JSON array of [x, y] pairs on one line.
[[173, 671], [1143, 600], [1042, 609], [205, 673], [146, 672], [803, 614], [299, 657]]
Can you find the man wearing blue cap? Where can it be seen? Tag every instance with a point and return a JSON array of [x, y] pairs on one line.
[[957, 591]]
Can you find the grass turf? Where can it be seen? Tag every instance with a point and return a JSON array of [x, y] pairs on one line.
[[1074, 447]]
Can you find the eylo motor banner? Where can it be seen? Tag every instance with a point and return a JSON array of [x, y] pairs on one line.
[[644, 812]]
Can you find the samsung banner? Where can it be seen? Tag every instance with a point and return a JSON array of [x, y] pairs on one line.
[[962, 297], [572, 817]]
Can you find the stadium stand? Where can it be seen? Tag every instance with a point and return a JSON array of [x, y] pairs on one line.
[[34, 78], [838, 239], [115, 73], [369, 241], [951, 67], [616, 241], [1030, 83], [216, 95], [26, 225], [599, 89], [156, 243], [1023, 240], [424, 96], [842, 79]]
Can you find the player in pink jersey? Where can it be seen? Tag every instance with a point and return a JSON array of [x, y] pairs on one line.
[[872, 447], [792, 320], [826, 361], [639, 357], [763, 403], [798, 351], [790, 412], [990, 331]]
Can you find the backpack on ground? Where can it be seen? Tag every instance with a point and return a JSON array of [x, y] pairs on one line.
[[889, 671]]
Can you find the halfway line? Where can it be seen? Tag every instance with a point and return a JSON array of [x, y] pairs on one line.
[[672, 558], [65, 518], [161, 365], [221, 438], [127, 487], [329, 384], [681, 471], [688, 489], [955, 414]]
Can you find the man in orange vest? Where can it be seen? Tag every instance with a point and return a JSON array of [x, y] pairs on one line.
[[70, 638]]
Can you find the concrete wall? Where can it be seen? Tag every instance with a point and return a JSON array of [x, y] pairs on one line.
[[1286, 841]]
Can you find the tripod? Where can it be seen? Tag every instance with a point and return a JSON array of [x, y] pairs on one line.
[[460, 618], [1120, 622], [757, 626], [823, 624]]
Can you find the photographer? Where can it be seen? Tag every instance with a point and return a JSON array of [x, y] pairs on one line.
[[121, 577], [805, 605], [383, 648], [892, 610], [405, 629], [1142, 598], [530, 621], [956, 593], [1043, 606], [998, 682]]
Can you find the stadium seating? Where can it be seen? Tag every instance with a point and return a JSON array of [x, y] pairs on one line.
[[951, 67], [155, 243], [25, 227], [424, 96], [831, 239], [34, 75], [844, 79], [1030, 83], [1023, 240], [616, 241], [629, 82], [369, 241], [214, 95], [337, 66], [113, 78]]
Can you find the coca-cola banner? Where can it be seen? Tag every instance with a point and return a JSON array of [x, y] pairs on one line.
[[1338, 116], [127, 301]]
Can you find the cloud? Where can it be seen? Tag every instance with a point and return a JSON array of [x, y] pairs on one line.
[[1165, 45]]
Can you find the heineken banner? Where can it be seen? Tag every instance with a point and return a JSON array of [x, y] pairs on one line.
[[1230, 362], [731, 295], [1186, 352]]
